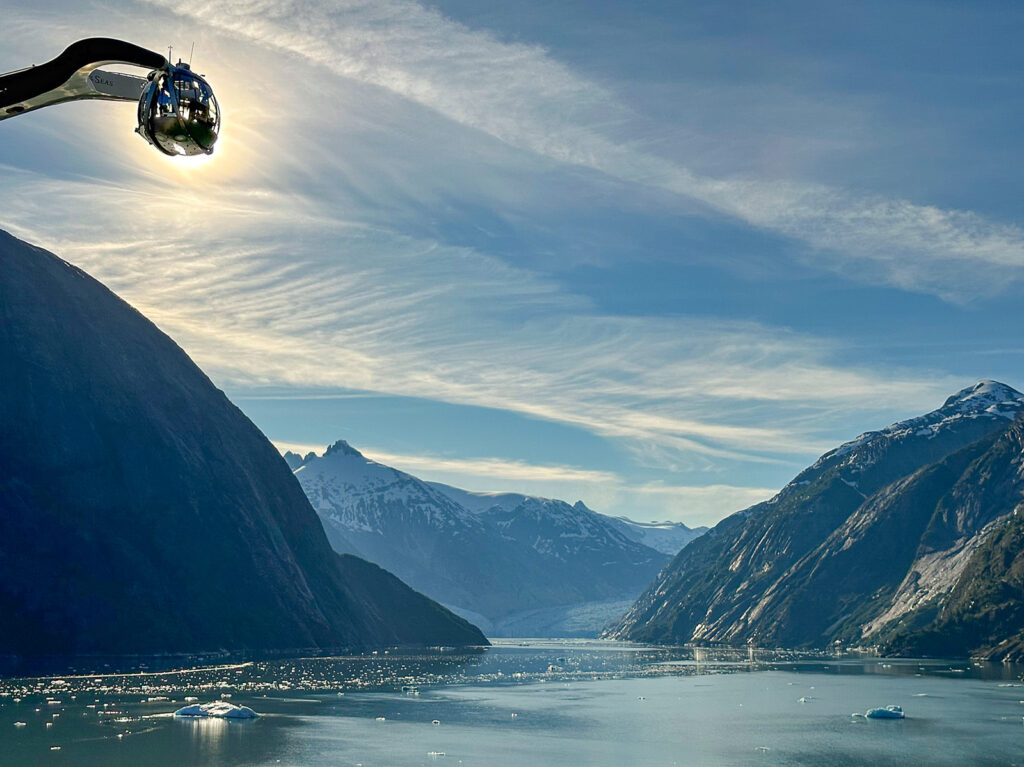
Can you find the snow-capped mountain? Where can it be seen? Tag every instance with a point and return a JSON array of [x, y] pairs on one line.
[[865, 546], [666, 537], [517, 564], [353, 491], [971, 410]]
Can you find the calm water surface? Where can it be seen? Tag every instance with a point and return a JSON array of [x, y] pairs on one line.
[[572, 702]]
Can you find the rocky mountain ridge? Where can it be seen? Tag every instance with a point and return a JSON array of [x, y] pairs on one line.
[[666, 537], [866, 546]]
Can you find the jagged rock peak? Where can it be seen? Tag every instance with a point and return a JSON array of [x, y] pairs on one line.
[[341, 447]]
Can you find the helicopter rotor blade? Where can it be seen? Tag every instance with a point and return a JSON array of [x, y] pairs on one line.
[[73, 76]]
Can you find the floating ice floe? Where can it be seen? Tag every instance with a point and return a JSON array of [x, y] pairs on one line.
[[220, 709], [889, 712]]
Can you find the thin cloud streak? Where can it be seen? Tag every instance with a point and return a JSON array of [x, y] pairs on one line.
[[520, 95], [301, 397], [492, 469]]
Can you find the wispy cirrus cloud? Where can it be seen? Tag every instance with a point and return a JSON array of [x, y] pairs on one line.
[[493, 470], [278, 295], [292, 259], [522, 96]]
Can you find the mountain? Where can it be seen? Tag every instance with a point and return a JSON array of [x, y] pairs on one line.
[[516, 564], [141, 512], [666, 537], [872, 544], [983, 615]]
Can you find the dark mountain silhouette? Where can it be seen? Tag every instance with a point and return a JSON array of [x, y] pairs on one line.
[[141, 512]]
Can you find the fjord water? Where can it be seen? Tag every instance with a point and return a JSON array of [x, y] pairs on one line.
[[538, 703]]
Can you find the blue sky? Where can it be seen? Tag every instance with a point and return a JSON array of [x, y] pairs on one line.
[[654, 256]]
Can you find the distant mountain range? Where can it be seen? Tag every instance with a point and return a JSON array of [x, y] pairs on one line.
[[514, 564], [142, 513], [666, 537], [908, 539]]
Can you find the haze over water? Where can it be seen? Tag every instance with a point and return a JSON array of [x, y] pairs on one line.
[[572, 702]]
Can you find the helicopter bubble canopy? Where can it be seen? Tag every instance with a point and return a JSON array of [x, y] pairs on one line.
[[178, 113]]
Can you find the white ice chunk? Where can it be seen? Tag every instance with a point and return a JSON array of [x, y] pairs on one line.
[[889, 712], [220, 709]]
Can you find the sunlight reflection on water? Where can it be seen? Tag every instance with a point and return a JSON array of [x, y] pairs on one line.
[[528, 703]]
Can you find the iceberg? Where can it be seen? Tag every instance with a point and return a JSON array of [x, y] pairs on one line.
[[220, 709], [889, 712]]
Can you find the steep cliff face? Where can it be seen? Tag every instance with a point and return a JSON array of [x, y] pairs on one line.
[[872, 537], [141, 512], [983, 615]]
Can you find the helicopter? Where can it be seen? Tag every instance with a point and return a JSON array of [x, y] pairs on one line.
[[177, 111]]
